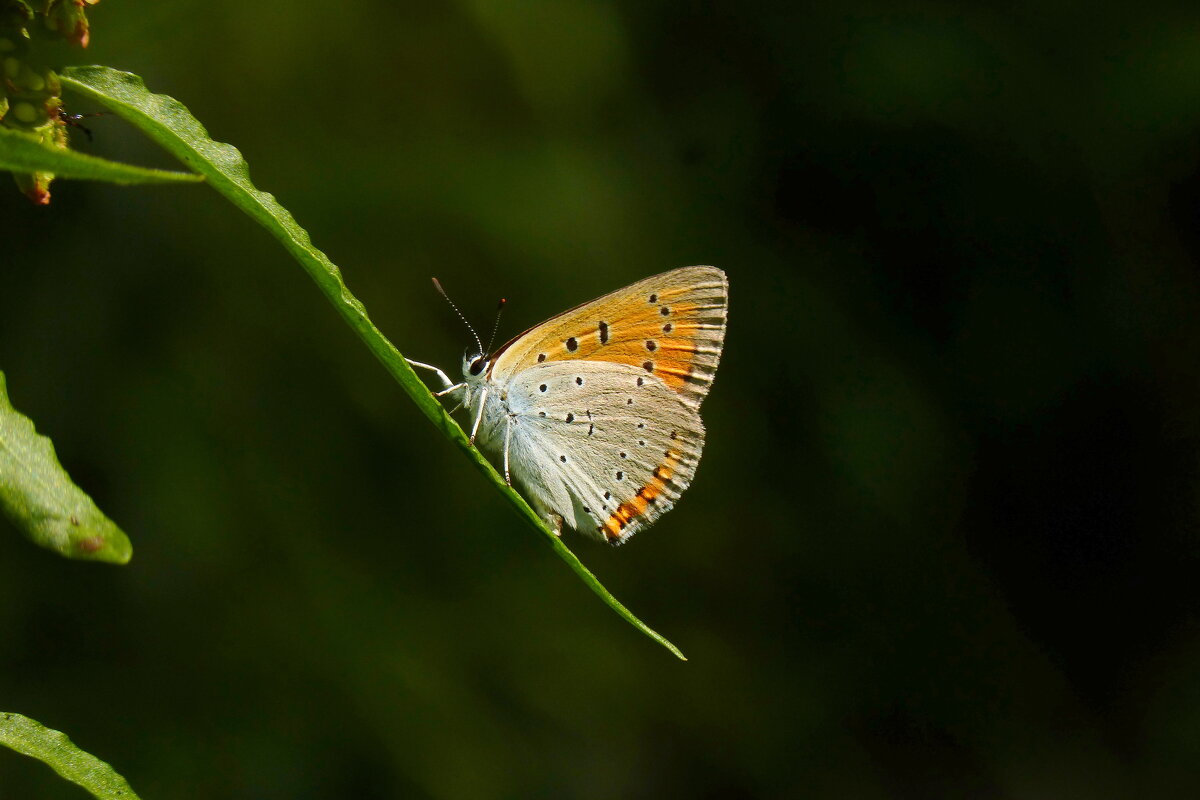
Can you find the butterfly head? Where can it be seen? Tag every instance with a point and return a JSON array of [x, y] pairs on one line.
[[474, 365]]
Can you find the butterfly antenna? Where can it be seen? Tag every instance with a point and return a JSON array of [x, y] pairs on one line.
[[438, 285], [495, 325]]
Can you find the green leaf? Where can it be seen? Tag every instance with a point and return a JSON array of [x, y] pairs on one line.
[[35, 740], [22, 152], [168, 122], [37, 494]]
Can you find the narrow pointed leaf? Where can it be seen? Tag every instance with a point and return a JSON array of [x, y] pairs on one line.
[[37, 494], [168, 122], [35, 740], [21, 152]]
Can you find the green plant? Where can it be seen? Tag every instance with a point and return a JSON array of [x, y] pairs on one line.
[[35, 491], [35, 740], [170, 124]]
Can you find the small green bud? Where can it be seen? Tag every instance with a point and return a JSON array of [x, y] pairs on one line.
[[35, 186], [25, 112], [30, 80]]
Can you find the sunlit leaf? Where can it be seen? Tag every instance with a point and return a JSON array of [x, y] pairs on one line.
[[35, 740], [21, 152], [37, 494], [168, 122]]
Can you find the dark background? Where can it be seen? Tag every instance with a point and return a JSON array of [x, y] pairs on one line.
[[944, 539]]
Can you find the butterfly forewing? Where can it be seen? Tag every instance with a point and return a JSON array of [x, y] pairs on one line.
[[616, 441], [670, 326]]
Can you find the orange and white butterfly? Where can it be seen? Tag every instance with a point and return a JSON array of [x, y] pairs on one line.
[[595, 412]]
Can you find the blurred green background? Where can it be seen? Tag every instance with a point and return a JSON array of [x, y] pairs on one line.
[[944, 538]]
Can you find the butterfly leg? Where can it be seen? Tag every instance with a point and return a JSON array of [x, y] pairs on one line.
[[479, 416], [449, 385], [508, 423]]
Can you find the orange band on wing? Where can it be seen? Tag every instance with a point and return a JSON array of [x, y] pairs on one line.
[[629, 511], [676, 349]]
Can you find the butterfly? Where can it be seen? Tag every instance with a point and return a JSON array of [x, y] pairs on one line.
[[596, 412]]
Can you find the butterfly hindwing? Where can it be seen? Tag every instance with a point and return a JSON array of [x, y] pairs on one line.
[[607, 447], [671, 326]]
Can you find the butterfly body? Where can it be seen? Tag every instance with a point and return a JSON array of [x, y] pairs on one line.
[[594, 412]]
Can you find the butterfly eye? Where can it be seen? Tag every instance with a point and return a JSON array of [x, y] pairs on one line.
[[477, 366]]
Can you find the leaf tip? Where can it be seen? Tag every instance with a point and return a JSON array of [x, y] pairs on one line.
[[113, 549], [99, 540]]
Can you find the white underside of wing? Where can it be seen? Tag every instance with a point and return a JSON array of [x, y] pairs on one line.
[[590, 438]]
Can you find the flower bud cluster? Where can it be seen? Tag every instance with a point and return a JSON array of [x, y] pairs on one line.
[[30, 93]]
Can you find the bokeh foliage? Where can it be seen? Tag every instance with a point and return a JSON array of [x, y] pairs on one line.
[[943, 539]]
